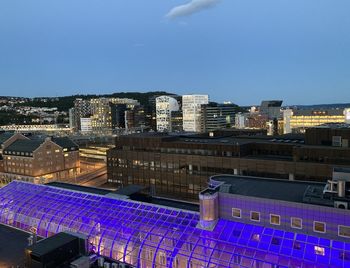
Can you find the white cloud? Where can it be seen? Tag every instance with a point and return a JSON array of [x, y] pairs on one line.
[[190, 8]]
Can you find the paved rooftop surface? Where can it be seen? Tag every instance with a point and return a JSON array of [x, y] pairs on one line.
[[51, 244], [292, 191], [12, 245]]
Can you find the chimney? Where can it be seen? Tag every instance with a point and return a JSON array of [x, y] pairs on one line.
[[341, 188]]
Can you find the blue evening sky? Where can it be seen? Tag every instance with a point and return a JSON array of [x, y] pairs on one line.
[[238, 50]]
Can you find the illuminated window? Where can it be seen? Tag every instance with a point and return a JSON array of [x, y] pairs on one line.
[[162, 258], [319, 250], [275, 219], [296, 223], [149, 254], [255, 216], [344, 231], [176, 262], [319, 227], [237, 259], [236, 213], [256, 237]]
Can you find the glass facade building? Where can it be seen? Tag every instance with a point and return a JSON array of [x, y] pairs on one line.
[[147, 235]]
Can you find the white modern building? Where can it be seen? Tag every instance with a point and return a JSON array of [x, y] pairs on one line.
[[287, 115], [164, 106], [86, 124], [240, 120], [347, 115], [72, 119], [191, 108]]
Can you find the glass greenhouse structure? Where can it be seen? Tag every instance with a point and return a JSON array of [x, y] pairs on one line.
[[147, 235]]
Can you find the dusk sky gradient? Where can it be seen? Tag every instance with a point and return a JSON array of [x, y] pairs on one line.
[[236, 50]]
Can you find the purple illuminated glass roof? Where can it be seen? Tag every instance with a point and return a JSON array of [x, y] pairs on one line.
[[145, 235]]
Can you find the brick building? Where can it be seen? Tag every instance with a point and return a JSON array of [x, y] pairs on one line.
[[33, 156], [178, 166]]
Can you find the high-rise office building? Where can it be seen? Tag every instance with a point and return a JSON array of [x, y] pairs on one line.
[[217, 116], [191, 109], [241, 120], [82, 109], [108, 114], [176, 121], [101, 119], [135, 119], [72, 121], [271, 109], [165, 105], [86, 126]]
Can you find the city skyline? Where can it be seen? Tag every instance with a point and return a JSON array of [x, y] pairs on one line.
[[236, 51]]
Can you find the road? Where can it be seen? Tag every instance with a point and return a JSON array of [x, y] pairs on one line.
[[96, 182], [98, 176]]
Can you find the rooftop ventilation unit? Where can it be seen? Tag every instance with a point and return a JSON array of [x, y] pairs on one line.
[[336, 141], [341, 205]]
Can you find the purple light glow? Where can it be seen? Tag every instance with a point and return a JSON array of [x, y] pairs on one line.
[[144, 234]]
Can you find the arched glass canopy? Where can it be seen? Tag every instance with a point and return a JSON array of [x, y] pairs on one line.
[[146, 235]]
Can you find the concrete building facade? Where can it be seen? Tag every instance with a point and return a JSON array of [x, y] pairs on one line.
[[191, 108]]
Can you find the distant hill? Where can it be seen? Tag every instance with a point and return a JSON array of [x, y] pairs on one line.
[[323, 106], [66, 102]]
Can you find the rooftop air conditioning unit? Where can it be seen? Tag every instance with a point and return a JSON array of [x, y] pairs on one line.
[[341, 205], [336, 141]]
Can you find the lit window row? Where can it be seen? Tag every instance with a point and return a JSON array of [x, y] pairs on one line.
[[295, 223]]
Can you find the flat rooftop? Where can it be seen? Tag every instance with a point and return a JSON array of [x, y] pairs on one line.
[[175, 204], [12, 245], [79, 188], [51, 244], [226, 138], [127, 191], [284, 190]]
